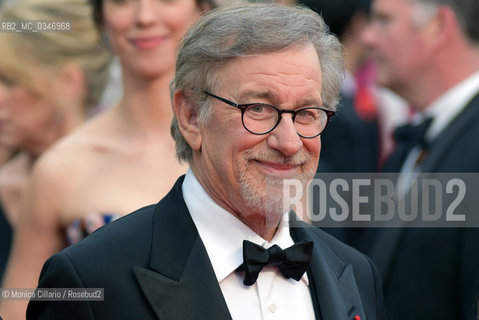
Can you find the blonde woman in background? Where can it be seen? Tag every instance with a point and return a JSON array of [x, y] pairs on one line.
[[120, 160], [50, 83]]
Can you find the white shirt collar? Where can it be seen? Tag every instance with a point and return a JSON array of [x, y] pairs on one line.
[[222, 233], [450, 104]]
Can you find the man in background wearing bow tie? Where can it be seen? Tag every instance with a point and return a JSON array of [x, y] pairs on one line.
[[427, 51], [254, 88]]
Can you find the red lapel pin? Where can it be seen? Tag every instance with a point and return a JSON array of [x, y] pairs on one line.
[[357, 317]]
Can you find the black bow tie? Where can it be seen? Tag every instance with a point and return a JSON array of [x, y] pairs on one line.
[[412, 135], [292, 262], [406, 138]]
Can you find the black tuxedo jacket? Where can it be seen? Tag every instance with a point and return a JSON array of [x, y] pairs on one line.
[[5, 241], [152, 264], [349, 144], [433, 273]]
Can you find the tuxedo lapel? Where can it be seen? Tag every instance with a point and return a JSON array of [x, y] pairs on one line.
[[441, 145], [330, 279], [180, 283]]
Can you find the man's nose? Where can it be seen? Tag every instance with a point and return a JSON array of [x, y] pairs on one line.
[[368, 35], [284, 137]]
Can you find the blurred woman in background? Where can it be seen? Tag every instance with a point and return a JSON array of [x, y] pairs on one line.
[[50, 83], [122, 159]]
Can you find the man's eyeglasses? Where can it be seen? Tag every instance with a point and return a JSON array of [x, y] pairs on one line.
[[261, 118]]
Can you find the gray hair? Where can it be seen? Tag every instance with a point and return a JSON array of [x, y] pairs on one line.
[[227, 33], [466, 11]]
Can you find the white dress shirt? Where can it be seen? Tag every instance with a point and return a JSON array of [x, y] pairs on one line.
[[450, 104], [272, 296]]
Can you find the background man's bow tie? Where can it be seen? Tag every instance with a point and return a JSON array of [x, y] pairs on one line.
[[292, 262], [412, 135]]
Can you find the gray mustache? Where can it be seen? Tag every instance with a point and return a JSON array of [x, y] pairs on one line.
[[274, 156]]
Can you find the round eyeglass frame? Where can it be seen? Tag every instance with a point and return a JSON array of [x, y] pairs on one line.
[[243, 107]]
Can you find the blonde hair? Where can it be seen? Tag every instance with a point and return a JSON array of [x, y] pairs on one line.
[[30, 58]]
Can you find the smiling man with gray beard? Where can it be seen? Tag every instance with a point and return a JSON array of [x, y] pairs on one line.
[[255, 86]]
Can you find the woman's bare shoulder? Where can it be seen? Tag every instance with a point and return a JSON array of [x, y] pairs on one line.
[[80, 151]]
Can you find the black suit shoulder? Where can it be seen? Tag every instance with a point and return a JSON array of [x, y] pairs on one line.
[[102, 260]]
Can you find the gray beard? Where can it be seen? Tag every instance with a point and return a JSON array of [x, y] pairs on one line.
[[266, 197]]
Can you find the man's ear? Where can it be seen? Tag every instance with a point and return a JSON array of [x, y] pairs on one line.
[[446, 27], [187, 119]]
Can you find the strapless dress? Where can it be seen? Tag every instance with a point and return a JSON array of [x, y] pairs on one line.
[[81, 228]]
